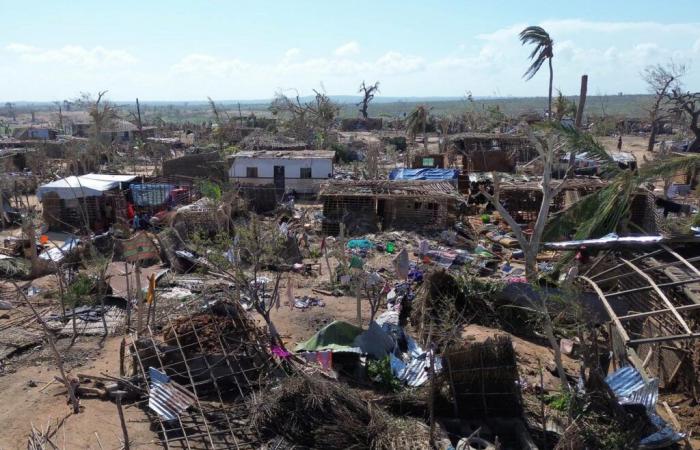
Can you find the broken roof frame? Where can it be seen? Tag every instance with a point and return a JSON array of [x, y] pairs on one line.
[[415, 189], [213, 423], [640, 266]]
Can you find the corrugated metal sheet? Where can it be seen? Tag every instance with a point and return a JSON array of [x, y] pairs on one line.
[[630, 388], [167, 398]]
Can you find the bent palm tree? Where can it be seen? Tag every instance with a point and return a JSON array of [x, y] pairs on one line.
[[544, 48]]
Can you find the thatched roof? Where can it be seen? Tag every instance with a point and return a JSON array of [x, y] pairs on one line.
[[263, 140], [440, 190]]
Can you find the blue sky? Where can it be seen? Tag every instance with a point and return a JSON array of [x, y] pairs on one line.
[[188, 50]]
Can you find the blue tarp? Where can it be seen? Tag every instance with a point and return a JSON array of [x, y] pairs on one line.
[[424, 174], [150, 194]]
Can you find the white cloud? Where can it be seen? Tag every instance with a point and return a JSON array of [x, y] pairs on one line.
[[75, 55], [348, 49], [292, 53], [210, 65]]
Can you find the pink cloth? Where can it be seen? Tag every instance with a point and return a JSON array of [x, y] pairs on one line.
[[280, 352]]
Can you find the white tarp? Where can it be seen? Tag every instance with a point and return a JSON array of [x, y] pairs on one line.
[[90, 185]]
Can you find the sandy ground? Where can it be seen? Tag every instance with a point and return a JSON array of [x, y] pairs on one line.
[[24, 405], [637, 145]]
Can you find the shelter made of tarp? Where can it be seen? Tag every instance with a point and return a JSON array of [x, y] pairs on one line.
[[151, 194], [424, 174], [90, 185], [337, 336]]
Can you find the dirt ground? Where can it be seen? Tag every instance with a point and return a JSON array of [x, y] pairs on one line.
[[635, 144], [29, 398]]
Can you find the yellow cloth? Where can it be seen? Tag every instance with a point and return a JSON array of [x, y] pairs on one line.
[[151, 294]]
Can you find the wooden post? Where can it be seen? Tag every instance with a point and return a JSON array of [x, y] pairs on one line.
[[359, 303], [581, 101], [128, 297], [118, 395], [431, 397], [139, 311]]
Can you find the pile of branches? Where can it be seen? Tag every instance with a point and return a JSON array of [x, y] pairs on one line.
[[223, 327], [322, 414]]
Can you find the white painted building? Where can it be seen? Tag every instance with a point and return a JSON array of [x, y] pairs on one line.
[[299, 170]]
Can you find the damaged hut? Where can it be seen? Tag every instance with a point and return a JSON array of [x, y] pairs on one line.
[[95, 201], [371, 205], [486, 152]]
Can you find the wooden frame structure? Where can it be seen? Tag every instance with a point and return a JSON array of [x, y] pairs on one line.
[[221, 361], [653, 301]]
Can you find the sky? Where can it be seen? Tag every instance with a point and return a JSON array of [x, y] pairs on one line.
[[236, 50]]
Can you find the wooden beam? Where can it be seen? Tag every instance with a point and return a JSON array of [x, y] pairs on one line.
[[646, 288], [646, 255], [631, 353], [665, 299], [658, 311], [681, 259], [674, 337], [648, 269]]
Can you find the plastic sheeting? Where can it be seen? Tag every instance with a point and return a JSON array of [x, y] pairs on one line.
[[150, 194], [424, 174], [90, 185]]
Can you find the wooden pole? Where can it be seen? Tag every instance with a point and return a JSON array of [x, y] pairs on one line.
[[359, 303], [581, 101], [128, 297], [118, 395], [139, 311]]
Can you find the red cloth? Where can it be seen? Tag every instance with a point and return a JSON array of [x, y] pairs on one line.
[[130, 213]]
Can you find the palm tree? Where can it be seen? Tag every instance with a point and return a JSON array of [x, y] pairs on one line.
[[543, 50], [602, 212], [417, 122]]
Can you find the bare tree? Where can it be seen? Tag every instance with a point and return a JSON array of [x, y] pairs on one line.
[[309, 121], [688, 104], [102, 112], [10, 107], [660, 79], [367, 96], [551, 149]]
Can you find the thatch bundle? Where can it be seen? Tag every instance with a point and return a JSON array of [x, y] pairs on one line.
[[325, 415]]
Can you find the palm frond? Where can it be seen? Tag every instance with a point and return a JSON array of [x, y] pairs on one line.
[[542, 50], [596, 214], [668, 168]]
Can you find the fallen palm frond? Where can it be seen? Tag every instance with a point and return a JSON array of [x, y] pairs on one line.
[[322, 414]]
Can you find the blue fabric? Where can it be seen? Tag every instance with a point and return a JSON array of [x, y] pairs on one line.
[[150, 194], [424, 174]]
